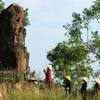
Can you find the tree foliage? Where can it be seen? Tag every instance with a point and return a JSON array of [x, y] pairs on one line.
[[26, 19], [93, 14], [72, 57], [70, 60], [1, 5]]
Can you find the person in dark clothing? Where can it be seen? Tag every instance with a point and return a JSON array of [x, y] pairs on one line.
[[84, 88], [68, 84], [97, 87]]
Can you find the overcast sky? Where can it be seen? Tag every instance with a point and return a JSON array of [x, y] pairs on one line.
[[47, 18]]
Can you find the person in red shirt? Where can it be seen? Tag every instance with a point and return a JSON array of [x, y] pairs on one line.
[[48, 76]]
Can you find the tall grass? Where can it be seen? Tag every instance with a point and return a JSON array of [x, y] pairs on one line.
[[56, 93], [33, 94], [26, 91]]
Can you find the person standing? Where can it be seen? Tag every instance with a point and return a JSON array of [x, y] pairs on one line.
[[97, 88], [48, 76], [68, 84], [84, 88]]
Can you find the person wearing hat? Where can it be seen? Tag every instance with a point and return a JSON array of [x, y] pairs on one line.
[[68, 83], [97, 86], [84, 87], [48, 76]]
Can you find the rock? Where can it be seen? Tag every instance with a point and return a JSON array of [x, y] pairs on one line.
[[13, 53]]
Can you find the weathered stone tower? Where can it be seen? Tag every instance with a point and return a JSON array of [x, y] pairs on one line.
[[13, 53]]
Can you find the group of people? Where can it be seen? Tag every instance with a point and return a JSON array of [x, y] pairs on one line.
[[84, 86], [48, 81]]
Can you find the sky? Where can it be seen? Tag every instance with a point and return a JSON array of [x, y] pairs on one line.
[[45, 30]]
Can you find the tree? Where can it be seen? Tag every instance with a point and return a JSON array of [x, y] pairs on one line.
[[97, 73], [73, 56], [1, 5], [83, 21], [70, 60], [26, 20], [93, 14]]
